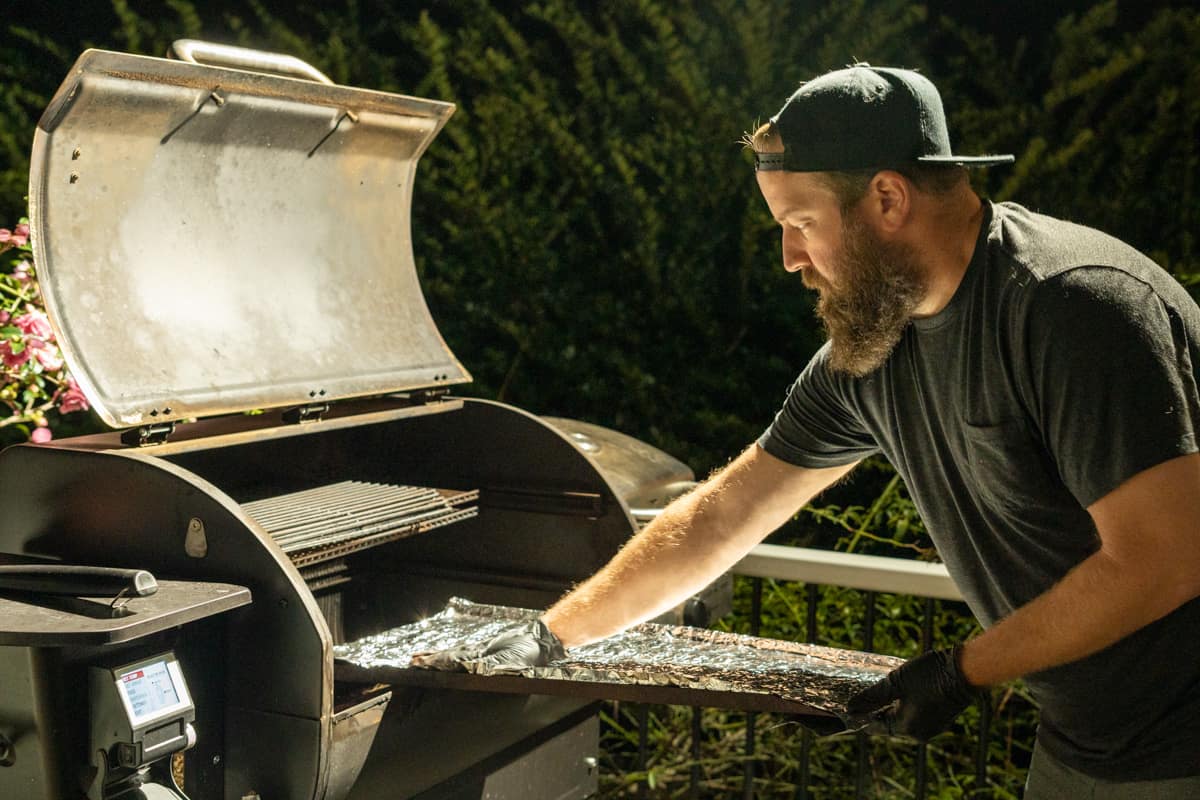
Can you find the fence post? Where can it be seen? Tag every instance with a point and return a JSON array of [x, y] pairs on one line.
[[864, 741], [643, 721], [922, 748], [748, 770], [811, 597], [981, 753]]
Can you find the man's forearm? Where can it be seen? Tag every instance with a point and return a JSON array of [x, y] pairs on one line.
[[1148, 565], [690, 544], [677, 555], [1096, 604]]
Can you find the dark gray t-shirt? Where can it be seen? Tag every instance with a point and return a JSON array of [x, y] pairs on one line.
[[1064, 364]]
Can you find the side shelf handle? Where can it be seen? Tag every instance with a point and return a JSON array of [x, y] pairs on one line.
[[77, 581]]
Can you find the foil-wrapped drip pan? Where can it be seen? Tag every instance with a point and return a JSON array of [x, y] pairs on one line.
[[647, 663]]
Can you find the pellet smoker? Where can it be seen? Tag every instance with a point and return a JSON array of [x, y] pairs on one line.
[[228, 231]]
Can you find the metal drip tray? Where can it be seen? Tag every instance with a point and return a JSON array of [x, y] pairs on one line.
[[648, 663]]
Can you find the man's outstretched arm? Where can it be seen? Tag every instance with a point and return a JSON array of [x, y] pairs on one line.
[[689, 545]]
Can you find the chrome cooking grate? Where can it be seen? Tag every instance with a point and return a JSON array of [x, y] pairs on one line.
[[332, 521]]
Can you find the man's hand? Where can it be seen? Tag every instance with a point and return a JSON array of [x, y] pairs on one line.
[[530, 644], [920, 698]]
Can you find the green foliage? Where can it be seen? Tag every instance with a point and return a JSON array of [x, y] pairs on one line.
[[587, 228], [890, 520], [1104, 127]]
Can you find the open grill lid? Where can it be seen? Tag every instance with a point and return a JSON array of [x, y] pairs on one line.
[[212, 240]]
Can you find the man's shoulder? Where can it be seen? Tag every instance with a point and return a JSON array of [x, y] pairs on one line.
[[1057, 274], [1041, 247]]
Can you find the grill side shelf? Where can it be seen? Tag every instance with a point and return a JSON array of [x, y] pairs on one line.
[[330, 522], [32, 620]]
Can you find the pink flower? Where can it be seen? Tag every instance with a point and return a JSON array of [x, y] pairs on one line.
[[34, 323], [21, 273], [21, 235], [5, 235], [47, 354], [10, 358], [41, 435], [5, 317], [71, 398]]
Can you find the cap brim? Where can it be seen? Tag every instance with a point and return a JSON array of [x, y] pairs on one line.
[[777, 162], [968, 161]]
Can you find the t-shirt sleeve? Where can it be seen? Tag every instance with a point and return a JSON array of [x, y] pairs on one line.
[[816, 427], [1111, 376]]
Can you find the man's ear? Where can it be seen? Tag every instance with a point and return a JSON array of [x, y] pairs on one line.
[[890, 200]]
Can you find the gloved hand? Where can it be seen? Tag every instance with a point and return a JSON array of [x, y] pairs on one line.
[[530, 644], [920, 698]]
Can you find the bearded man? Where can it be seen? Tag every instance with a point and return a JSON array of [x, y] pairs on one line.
[[1035, 384]]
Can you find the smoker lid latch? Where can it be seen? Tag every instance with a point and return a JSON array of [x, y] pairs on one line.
[[146, 435], [308, 413]]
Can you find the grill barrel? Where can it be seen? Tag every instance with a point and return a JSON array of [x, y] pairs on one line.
[[274, 695]]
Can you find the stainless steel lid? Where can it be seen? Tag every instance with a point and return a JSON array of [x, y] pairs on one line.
[[213, 239]]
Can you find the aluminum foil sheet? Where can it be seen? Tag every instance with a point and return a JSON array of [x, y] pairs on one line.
[[822, 678]]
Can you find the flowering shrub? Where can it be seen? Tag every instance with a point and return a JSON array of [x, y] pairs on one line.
[[36, 387]]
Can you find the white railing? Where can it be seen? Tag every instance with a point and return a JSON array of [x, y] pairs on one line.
[[869, 573]]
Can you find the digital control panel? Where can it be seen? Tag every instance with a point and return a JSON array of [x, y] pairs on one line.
[[141, 714], [152, 690]]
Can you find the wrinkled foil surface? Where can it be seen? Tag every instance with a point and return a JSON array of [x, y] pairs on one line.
[[648, 655]]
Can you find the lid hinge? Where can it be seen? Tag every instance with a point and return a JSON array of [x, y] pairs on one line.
[[301, 414], [424, 397], [146, 435]]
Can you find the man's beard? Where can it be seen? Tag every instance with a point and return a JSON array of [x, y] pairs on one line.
[[880, 285]]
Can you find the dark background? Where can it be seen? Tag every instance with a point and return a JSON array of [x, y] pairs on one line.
[[587, 228]]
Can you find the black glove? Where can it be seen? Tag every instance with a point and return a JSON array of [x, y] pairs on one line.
[[530, 644], [920, 698]]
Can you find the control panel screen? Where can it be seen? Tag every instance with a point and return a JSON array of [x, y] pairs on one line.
[[148, 689]]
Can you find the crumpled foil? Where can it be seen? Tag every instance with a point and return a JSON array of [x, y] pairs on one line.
[[649, 654]]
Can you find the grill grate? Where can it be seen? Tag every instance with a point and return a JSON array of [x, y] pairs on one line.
[[328, 522]]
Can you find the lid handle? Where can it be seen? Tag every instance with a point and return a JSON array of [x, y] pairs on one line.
[[226, 55]]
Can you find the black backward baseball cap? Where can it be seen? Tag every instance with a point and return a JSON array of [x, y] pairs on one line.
[[864, 117]]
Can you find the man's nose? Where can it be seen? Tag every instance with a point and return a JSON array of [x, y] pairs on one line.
[[795, 254]]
